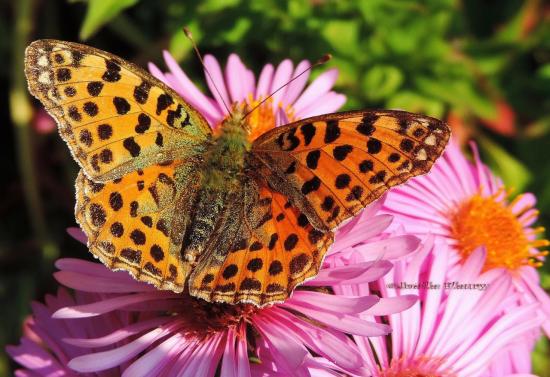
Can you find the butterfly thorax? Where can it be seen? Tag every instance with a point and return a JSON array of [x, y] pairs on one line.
[[225, 157]]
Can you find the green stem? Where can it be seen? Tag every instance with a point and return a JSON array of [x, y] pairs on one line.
[[21, 115]]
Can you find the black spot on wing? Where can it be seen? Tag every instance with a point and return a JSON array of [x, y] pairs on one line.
[[332, 131], [163, 101]]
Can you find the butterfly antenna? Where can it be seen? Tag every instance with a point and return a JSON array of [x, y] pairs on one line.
[[197, 52], [321, 61]]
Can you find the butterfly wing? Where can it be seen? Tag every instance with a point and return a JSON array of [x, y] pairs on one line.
[[114, 116], [332, 166], [273, 248], [137, 143], [136, 223], [304, 179]]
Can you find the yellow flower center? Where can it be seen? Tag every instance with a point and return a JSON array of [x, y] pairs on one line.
[[486, 221]]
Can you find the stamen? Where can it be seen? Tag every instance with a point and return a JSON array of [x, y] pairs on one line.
[[207, 318], [489, 221]]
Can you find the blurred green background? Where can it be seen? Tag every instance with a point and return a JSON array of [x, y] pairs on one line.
[[484, 66]]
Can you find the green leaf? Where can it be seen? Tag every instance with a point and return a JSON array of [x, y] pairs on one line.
[[541, 362], [416, 103], [544, 72], [461, 94], [240, 28], [512, 171], [180, 46], [381, 81], [212, 6], [101, 12], [342, 35]]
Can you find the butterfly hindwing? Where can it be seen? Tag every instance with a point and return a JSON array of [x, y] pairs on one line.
[[274, 249], [114, 116], [332, 166], [136, 223]]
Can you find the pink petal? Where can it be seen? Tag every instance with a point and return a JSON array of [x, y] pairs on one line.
[[500, 334], [264, 82], [335, 347], [288, 352], [218, 90], [78, 234], [108, 359], [75, 280], [324, 104], [205, 358], [342, 322], [281, 77], [391, 248], [188, 90], [295, 87], [432, 300], [107, 305], [328, 302], [352, 235], [32, 356], [117, 335], [526, 202], [229, 360], [354, 274], [392, 305], [250, 84], [280, 117], [155, 71], [236, 78], [320, 86], [153, 360]]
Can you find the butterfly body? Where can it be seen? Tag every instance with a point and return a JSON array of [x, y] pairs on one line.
[[228, 219]]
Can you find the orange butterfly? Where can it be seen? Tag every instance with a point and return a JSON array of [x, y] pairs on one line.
[[236, 220]]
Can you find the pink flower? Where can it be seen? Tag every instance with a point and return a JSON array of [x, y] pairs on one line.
[[43, 122], [43, 351], [238, 85], [462, 326], [128, 325], [466, 206]]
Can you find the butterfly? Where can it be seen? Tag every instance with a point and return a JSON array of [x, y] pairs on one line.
[[231, 220]]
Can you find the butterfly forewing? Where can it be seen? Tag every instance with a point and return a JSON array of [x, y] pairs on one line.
[[332, 166], [115, 117]]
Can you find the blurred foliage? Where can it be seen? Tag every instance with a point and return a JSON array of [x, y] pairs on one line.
[[482, 66]]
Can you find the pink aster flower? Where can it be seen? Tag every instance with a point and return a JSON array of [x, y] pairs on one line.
[[237, 84], [43, 351], [466, 207], [467, 325], [128, 325]]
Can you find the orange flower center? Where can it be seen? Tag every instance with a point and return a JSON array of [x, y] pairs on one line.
[[486, 221], [263, 118]]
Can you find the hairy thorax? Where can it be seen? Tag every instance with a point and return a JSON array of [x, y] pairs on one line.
[[224, 160]]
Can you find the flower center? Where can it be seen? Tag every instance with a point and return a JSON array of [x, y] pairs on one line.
[[490, 222], [419, 367], [205, 318], [263, 118]]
